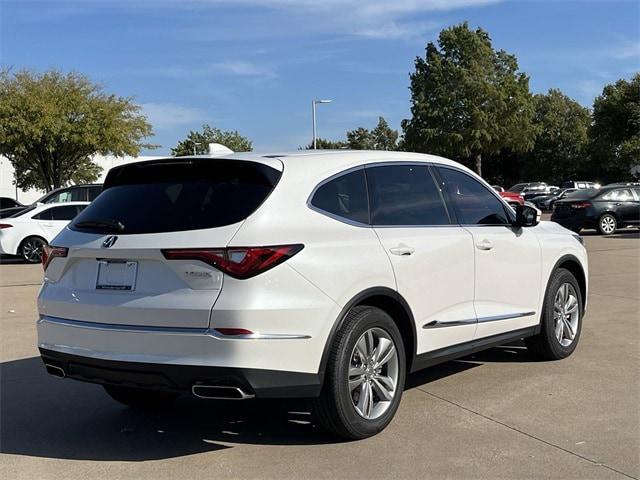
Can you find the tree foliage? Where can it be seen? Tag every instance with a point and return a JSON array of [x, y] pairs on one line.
[[467, 99], [326, 144], [52, 123], [382, 137], [198, 142], [560, 147], [615, 133]]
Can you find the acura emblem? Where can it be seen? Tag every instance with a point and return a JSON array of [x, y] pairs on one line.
[[109, 242]]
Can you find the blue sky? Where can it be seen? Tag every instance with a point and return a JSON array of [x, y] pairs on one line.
[[255, 65]]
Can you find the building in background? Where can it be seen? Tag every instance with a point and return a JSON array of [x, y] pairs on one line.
[[8, 188]]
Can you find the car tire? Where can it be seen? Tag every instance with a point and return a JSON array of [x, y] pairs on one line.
[[360, 395], [607, 224], [561, 321], [140, 397], [31, 249]]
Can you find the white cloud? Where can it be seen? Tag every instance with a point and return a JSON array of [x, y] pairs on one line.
[[243, 69], [366, 18], [167, 115]]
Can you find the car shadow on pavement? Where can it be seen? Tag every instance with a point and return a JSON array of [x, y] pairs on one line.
[[44, 416]]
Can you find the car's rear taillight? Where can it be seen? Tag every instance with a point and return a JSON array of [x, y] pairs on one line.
[[50, 252], [581, 205], [238, 262], [5, 225]]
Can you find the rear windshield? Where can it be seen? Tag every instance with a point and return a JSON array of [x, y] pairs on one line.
[[170, 196]]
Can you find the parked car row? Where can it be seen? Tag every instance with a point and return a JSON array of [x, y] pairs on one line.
[[27, 232], [606, 209], [74, 193]]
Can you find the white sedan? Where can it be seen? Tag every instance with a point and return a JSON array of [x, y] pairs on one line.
[[27, 232]]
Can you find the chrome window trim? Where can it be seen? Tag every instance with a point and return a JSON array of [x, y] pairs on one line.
[[471, 321], [340, 218], [112, 327], [364, 167]]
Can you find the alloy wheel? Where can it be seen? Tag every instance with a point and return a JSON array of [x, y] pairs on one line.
[[32, 250], [373, 373], [608, 224], [566, 314]]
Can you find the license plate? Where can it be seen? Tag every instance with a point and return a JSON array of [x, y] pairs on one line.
[[116, 275]]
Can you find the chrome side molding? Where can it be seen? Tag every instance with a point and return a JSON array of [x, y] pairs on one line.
[[169, 330], [455, 323], [471, 321]]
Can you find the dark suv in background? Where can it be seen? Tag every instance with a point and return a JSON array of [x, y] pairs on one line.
[[605, 209], [74, 193]]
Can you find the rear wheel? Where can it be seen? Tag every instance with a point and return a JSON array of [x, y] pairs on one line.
[[561, 321], [31, 249], [607, 224], [364, 376], [139, 397]]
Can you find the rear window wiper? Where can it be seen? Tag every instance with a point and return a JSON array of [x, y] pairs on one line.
[[103, 224]]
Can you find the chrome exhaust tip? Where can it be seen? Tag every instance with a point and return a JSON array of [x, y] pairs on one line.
[[220, 392], [55, 371]]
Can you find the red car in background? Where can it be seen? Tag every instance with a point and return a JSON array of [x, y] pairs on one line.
[[511, 198]]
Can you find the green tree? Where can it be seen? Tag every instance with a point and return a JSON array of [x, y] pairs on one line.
[[560, 148], [52, 123], [382, 137], [360, 139], [615, 132], [468, 100], [198, 142], [325, 144]]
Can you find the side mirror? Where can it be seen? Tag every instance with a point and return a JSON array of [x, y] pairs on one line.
[[527, 215]]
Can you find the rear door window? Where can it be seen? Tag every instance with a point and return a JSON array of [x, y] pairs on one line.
[[170, 196], [405, 195], [621, 195], [344, 196], [67, 212], [473, 202]]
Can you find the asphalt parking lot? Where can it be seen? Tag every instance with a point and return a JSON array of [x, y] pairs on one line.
[[497, 414]]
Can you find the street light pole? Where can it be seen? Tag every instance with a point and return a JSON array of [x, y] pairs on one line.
[[313, 115], [195, 144]]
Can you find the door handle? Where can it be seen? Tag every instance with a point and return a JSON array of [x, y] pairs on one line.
[[402, 250], [484, 244]]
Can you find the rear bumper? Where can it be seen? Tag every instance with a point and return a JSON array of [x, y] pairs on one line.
[[178, 358], [181, 378]]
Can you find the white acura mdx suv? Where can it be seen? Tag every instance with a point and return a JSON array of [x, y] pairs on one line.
[[326, 274]]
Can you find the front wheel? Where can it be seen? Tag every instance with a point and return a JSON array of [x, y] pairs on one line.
[[31, 249], [364, 377], [561, 321], [607, 224]]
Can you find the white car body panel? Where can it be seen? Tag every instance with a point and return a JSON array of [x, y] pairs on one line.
[[171, 316], [437, 288]]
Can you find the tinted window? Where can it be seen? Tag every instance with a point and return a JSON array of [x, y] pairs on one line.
[[93, 192], [621, 194], [170, 196], [7, 203], [405, 195], [474, 203], [66, 195], [67, 212], [344, 196]]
